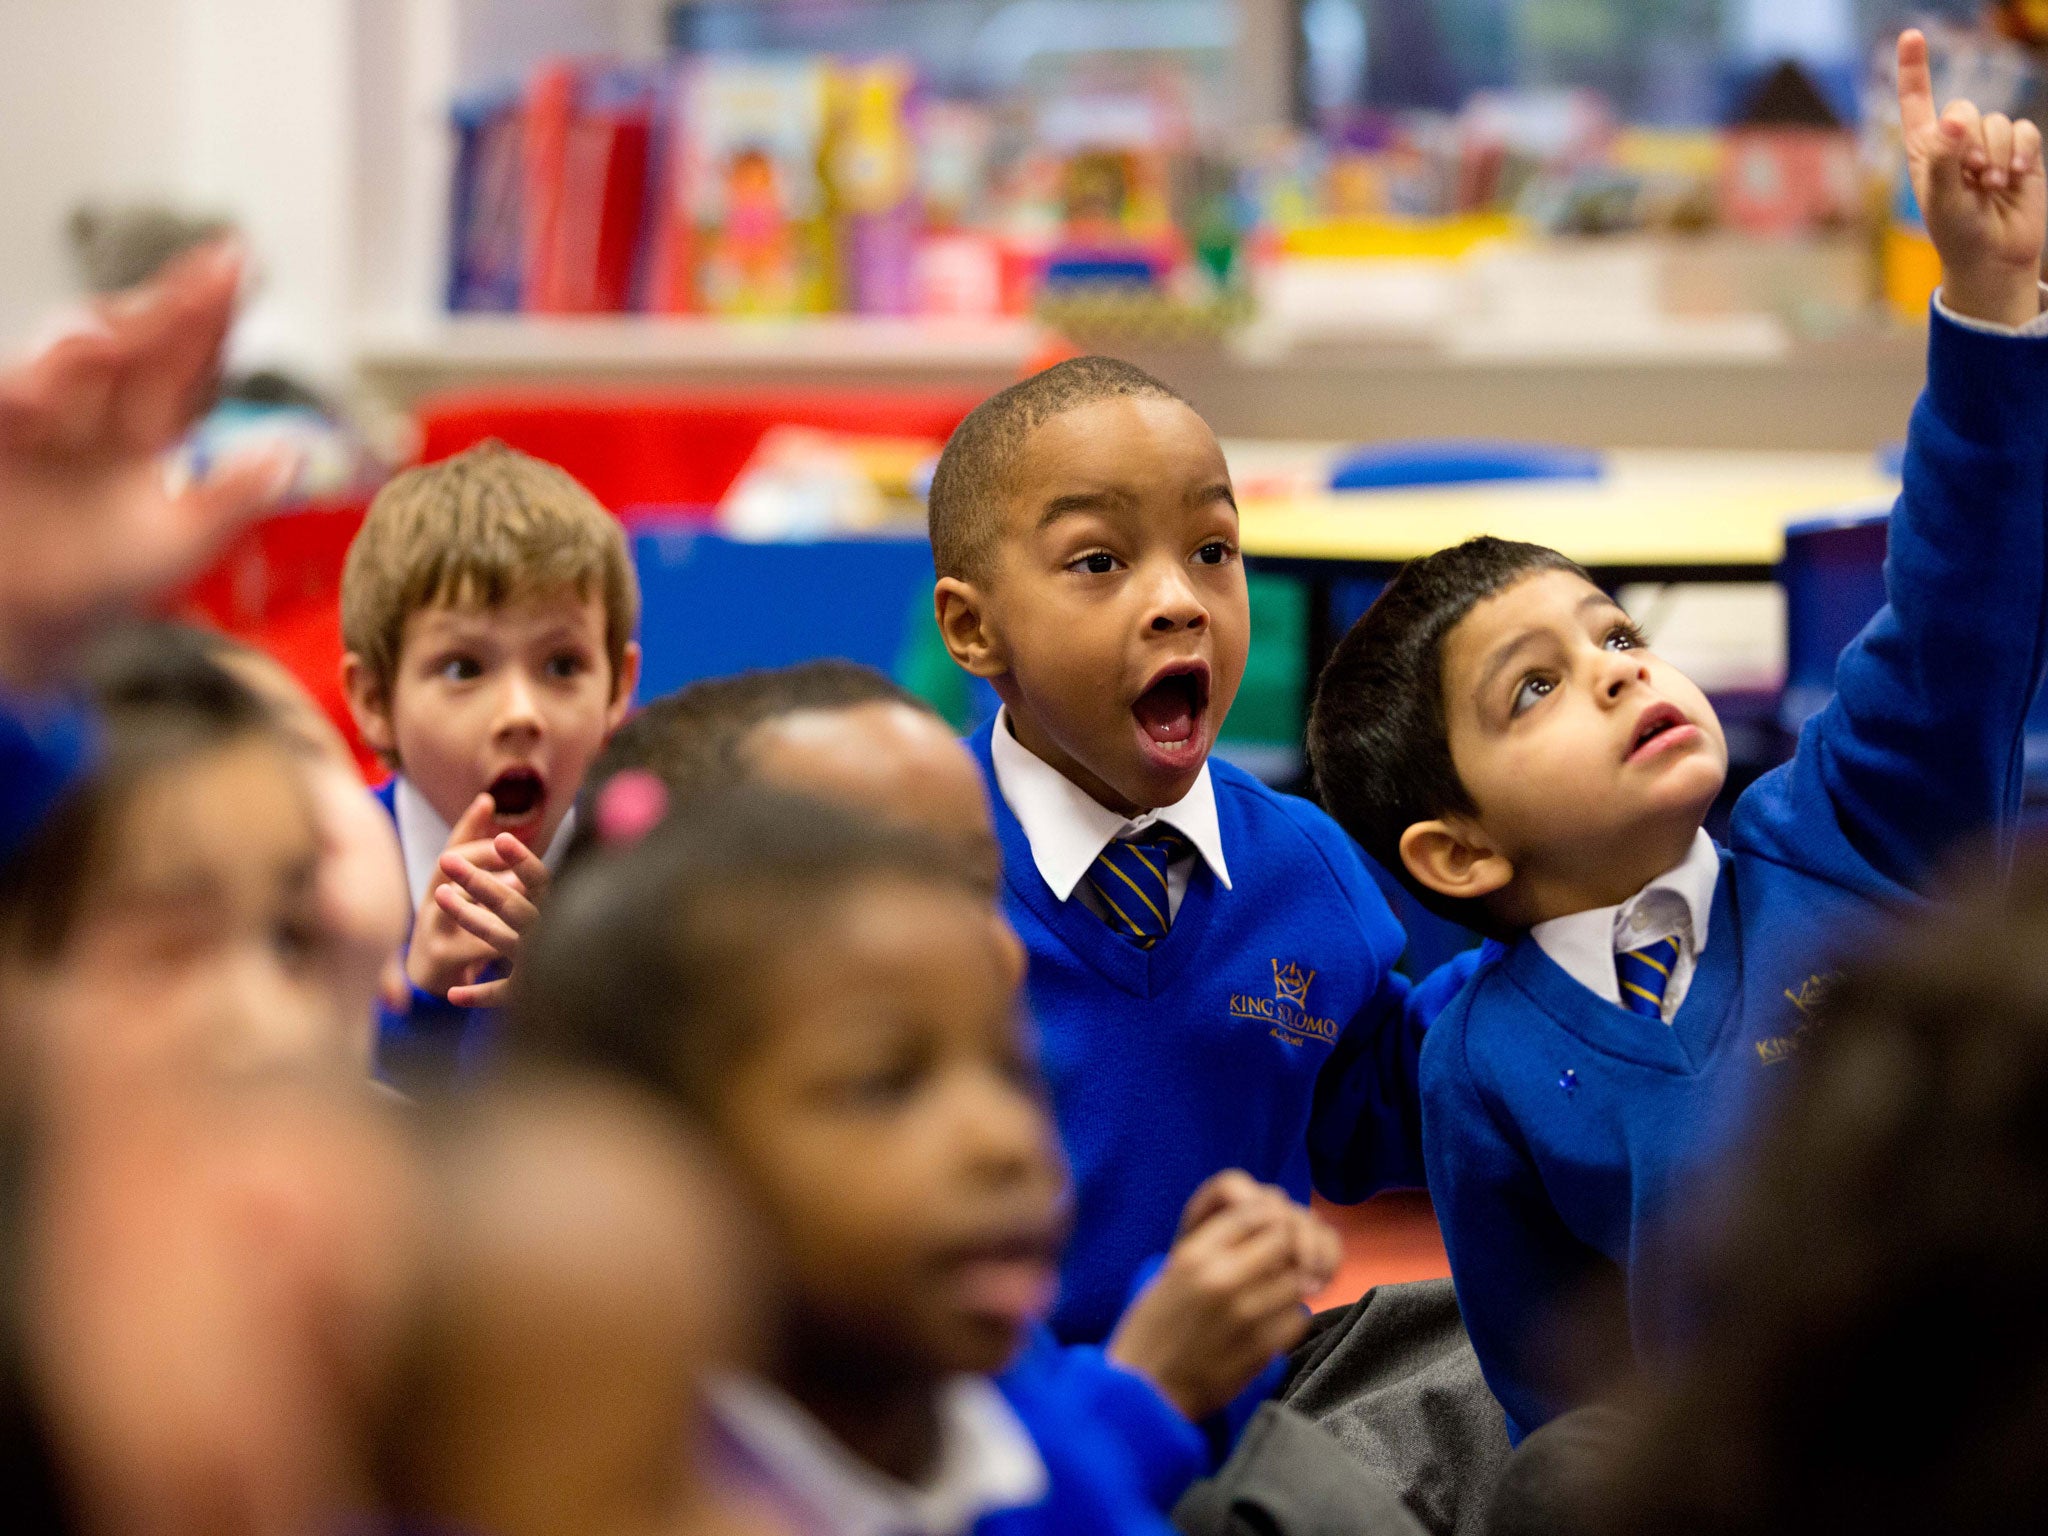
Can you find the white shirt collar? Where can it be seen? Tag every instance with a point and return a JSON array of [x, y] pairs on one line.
[[1584, 944], [1067, 828], [987, 1462], [422, 834]]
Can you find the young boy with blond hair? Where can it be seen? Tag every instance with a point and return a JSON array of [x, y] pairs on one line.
[[1496, 730], [487, 609]]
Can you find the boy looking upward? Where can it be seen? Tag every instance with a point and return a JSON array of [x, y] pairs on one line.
[[1495, 729], [487, 607], [1211, 968]]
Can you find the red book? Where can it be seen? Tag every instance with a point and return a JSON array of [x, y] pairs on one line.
[[549, 111]]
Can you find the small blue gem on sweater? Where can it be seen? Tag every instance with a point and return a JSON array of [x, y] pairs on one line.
[[1568, 1080]]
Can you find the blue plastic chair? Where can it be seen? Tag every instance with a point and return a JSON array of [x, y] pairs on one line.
[[1458, 461], [712, 605], [1833, 574]]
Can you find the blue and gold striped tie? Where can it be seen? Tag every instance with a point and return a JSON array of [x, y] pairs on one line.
[[1644, 974], [1130, 877]]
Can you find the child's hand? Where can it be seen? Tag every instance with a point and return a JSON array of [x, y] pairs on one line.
[[444, 956], [91, 529], [1981, 190], [496, 909], [1230, 1295]]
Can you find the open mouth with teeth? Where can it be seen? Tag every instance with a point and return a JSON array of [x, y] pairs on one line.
[[1171, 713], [518, 794], [1661, 726]]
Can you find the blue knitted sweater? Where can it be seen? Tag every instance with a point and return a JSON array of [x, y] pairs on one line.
[[1562, 1130], [1267, 1031]]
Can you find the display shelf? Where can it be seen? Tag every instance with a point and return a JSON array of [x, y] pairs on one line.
[[1853, 392]]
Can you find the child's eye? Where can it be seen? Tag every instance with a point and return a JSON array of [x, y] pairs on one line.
[[1215, 552], [1096, 563], [460, 669], [1532, 692], [882, 1088], [568, 664], [1625, 637]]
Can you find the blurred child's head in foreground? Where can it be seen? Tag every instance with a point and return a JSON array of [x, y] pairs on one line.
[[1086, 538], [1496, 731], [583, 1270], [827, 998], [175, 893], [833, 730], [1869, 1356], [488, 608]]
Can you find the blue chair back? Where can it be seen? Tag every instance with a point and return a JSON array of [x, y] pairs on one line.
[[1833, 576], [712, 605]]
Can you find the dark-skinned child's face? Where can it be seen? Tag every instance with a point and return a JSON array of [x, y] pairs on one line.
[[1113, 620], [1592, 761], [887, 1122]]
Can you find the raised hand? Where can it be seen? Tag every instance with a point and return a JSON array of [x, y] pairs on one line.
[[1981, 188], [444, 956], [90, 526], [493, 908]]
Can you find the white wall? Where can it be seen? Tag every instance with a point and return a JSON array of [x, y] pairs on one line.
[[231, 106]]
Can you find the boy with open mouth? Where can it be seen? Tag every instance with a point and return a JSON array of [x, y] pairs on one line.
[[1211, 967], [488, 607]]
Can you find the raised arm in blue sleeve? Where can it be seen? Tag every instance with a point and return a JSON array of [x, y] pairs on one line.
[[1922, 744]]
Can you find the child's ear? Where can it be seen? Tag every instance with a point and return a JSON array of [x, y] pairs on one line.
[[369, 701], [623, 684], [1450, 858], [962, 612]]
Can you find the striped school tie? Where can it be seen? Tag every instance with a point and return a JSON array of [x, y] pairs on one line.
[[1644, 974], [1130, 877]]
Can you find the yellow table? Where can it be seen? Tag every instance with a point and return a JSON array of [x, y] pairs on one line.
[[1652, 516]]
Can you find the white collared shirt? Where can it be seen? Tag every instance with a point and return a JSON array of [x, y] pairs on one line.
[[2038, 326], [1067, 828], [987, 1461], [422, 835], [1676, 905]]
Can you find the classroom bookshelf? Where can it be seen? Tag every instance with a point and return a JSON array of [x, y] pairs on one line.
[[1702, 386]]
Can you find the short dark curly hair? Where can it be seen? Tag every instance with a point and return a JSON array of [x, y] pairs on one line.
[[1377, 737], [968, 486]]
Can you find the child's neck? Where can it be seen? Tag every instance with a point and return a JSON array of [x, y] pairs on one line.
[[1606, 881], [886, 1415], [1041, 746]]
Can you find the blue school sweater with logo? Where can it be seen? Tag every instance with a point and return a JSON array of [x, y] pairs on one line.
[[1267, 1031], [1562, 1130]]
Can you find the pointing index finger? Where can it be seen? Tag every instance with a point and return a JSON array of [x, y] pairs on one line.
[[1916, 85]]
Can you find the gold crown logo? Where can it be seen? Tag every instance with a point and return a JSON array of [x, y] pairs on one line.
[[1290, 983]]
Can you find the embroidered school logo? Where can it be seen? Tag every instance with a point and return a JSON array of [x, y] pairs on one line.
[[1290, 985], [1806, 1002], [1286, 1013]]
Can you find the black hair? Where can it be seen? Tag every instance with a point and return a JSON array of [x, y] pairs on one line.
[[1867, 1353], [965, 505], [690, 739], [647, 965], [1377, 737], [161, 699]]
